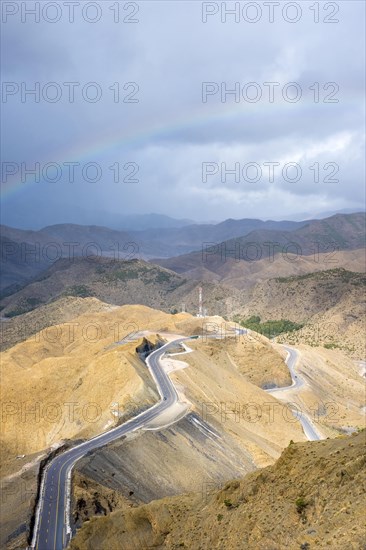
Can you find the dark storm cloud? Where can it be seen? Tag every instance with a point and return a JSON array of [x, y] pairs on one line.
[[170, 132]]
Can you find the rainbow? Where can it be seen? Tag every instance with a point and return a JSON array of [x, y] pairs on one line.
[[92, 150]]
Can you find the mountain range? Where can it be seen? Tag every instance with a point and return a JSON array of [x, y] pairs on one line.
[[203, 250], [117, 282]]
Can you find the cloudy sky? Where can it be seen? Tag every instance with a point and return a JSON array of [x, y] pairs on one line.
[[182, 109]]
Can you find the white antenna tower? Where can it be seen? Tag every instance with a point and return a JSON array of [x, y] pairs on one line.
[[200, 311]]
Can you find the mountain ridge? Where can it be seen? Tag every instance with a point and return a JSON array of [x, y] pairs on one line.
[[27, 253]]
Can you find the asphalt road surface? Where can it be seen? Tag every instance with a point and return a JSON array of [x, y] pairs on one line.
[[52, 515], [297, 382]]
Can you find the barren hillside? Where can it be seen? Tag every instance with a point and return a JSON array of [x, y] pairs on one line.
[[312, 497], [118, 282], [331, 305], [73, 380]]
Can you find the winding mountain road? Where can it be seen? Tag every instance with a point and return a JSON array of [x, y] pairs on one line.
[[297, 382], [52, 529], [52, 525]]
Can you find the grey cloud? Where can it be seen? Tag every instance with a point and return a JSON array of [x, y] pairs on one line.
[[169, 53]]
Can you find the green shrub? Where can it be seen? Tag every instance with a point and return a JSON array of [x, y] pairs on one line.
[[33, 301], [79, 290], [270, 329], [162, 277], [15, 312], [301, 504], [330, 346]]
